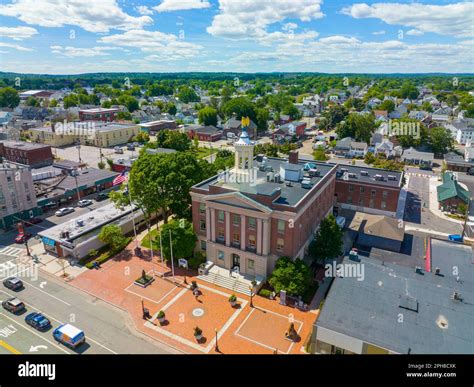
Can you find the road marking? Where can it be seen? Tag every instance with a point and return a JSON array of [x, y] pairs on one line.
[[11, 251], [35, 333], [50, 295], [8, 347]]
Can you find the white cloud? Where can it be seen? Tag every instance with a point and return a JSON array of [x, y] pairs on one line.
[[452, 19], [74, 52], [91, 15], [181, 5], [382, 32], [415, 33], [144, 10], [338, 39], [17, 33], [154, 42], [15, 46], [249, 19]]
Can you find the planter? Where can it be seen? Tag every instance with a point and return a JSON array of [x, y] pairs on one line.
[[144, 281], [161, 319], [233, 303], [198, 337]]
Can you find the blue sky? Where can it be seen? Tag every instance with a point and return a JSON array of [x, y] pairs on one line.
[[80, 36]]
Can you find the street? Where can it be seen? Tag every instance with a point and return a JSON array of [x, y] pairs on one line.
[[108, 330]]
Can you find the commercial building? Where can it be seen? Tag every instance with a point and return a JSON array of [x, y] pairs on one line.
[[204, 133], [154, 127], [262, 209], [414, 157], [452, 193], [17, 196], [394, 309], [99, 114], [28, 153], [86, 133], [77, 237], [35, 94], [371, 190]]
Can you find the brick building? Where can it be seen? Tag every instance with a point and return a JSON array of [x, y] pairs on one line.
[[32, 154], [153, 127], [99, 114], [262, 209], [370, 190], [204, 133]]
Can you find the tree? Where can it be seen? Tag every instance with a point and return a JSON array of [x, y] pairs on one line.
[[186, 94], [359, 126], [131, 103], [292, 276], [319, 154], [328, 241], [408, 90], [172, 139], [441, 140], [292, 111], [335, 115], [170, 108], [241, 107], [387, 105], [32, 101], [142, 137], [111, 235], [262, 118], [208, 116], [9, 97], [70, 101], [183, 237]]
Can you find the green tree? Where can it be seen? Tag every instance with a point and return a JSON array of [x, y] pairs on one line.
[[335, 115], [441, 140], [170, 108], [328, 241], [292, 276], [207, 116], [131, 103], [263, 115], [32, 101], [387, 105], [53, 103], [9, 97], [359, 126], [172, 139], [142, 137], [111, 235], [186, 94], [241, 107], [319, 154], [183, 237], [70, 101]]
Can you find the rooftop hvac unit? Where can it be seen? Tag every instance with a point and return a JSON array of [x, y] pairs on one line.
[[364, 173], [79, 223], [343, 170], [352, 175], [277, 178], [306, 183], [270, 176], [378, 177], [418, 270], [314, 172], [391, 177]]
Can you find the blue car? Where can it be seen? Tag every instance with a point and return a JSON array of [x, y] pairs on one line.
[[455, 238], [38, 321]]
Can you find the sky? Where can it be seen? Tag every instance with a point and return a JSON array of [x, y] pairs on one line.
[[330, 36]]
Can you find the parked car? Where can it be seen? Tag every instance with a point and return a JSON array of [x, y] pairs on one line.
[[84, 203], [130, 147], [64, 211], [38, 321], [101, 196], [69, 335], [22, 237], [13, 283], [118, 150], [33, 221], [13, 305], [455, 238]]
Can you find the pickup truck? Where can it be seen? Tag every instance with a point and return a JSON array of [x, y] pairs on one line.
[[69, 335]]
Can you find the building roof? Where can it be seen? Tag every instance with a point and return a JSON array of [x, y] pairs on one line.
[[154, 123], [357, 174], [433, 322], [289, 195], [358, 145], [451, 188], [413, 154], [455, 159], [99, 110], [24, 145], [209, 129], [234, 123], [377, 225]]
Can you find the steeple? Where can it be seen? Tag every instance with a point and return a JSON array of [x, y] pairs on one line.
[[244, 148]]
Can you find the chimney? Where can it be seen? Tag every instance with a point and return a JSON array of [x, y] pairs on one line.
[[293, 157]]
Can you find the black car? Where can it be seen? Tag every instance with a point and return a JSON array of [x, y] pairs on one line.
[[14, 305], [13, 283], [38, 321], [102, 196]]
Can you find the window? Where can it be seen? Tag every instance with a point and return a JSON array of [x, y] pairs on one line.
[[362, 189], [361, 201], [373, 192], [351, 188], [220, 233], [202, 225], [220, 216], [250, 264], [252, 241], [349, 199], [236, 237], [220, 255], [281, 225], [236, 220], [202, 208], [371, 204], [203, 245], [384, 204], [280, 244], [252, 223], [384, 194]]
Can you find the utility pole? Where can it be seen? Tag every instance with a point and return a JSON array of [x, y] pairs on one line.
[[75, 171]]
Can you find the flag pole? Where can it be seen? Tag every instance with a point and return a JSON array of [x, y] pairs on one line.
[[171, 250]]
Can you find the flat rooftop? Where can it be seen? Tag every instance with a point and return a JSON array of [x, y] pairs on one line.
[[154, 123], [87, 127], [24, 145], [289, 195], [356, 174], [433, 321], [99, 110]]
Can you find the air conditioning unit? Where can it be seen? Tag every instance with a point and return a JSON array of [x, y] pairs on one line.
[[364, 173], [391, 177]]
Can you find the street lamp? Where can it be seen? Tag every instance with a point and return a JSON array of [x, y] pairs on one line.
[[217, 343], [78, 147], [251, 287]]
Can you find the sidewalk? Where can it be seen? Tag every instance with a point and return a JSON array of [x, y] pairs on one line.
[[433, 202]]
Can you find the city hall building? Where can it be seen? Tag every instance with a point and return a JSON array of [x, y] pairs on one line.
[[262, 209]]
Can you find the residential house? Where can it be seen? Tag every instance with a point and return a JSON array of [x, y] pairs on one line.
[[235, 126], [343, 147], [414, 157], [452, 193], [358, 149]]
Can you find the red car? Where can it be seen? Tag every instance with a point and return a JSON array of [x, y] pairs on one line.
[[22, 238]]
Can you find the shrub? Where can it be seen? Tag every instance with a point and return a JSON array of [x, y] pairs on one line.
[[232, 298], [161, 314], [197, 331], [266, 293], [198, 258]]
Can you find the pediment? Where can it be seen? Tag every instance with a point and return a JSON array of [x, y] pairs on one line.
[[236, 199]]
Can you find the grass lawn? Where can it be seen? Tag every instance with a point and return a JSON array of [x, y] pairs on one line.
[[154, 236], [202, 152]]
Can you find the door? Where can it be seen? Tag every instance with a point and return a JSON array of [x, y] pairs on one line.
[[235, 261]]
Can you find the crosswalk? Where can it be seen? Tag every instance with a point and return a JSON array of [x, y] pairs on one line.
[[425, 175], [11, 251]]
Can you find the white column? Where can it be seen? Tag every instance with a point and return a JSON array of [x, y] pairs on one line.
[[208, 224], [243, 234], [259, 236], [266, 237], [213, 227], [227, 228]]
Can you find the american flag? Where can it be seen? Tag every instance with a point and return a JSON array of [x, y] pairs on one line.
[[123, 177]]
